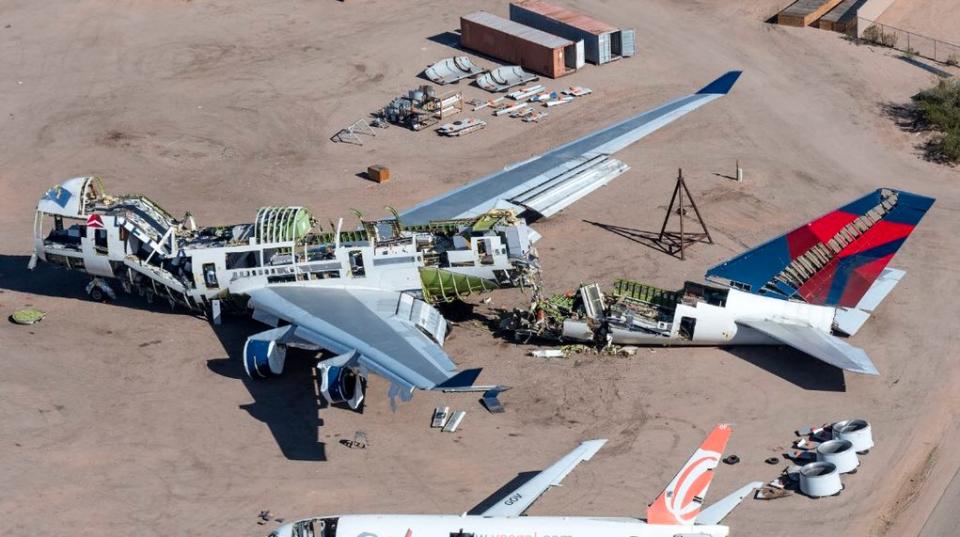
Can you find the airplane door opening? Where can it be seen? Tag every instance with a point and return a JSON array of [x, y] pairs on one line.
[[687, 326], [356, 264]]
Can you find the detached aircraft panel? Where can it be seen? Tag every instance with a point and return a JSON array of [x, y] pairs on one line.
[[515, 181]]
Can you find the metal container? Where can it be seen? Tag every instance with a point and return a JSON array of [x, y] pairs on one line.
[[857, 431], [840, 453], [819, 479], [602, 42], [513, 42]]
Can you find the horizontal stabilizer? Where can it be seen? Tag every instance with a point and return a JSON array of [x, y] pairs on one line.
[[717, 512], [820, 345], [461, 379], [518, 501], [849, 320]]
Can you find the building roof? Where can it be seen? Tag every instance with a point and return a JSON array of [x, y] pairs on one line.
[[515, 28], [566, 16]]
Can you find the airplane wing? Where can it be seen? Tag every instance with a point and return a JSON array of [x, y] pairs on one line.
[[388, 330], [816, 343], [546, 184], [521, 498]]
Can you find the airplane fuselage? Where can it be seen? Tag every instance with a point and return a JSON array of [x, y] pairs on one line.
[[480, 526]]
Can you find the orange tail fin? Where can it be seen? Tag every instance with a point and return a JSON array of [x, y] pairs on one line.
[[680, 502]]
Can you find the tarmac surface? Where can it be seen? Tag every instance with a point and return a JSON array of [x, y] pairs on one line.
[[124, 418]]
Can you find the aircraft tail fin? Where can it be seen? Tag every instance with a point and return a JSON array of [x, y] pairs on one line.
[[849, 320], [680, 501], [832, 260]]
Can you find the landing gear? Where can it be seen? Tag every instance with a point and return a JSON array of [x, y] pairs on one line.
[[100, 291]]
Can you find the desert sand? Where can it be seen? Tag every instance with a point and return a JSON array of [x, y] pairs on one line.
[[125, 418]]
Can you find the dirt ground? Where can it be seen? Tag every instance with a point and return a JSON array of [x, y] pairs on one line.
[[119, 418], [932, 18]]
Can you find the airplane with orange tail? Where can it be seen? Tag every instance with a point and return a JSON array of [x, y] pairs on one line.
[[676, 511]]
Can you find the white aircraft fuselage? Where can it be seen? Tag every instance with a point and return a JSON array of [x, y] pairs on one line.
[[480, 526]]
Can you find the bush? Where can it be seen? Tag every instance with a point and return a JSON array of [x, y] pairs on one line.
[[953, 60], [939, 107], [876, 35]]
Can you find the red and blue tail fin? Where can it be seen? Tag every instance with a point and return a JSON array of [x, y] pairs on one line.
[[834, 259]]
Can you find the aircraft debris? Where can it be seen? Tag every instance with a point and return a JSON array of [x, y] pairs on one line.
[[462, 127], [450, 70], [731, 459], [535, 117], [359, 441], [440, 416], [540, 353], [508, 109], [27, 316], [559, 101], [491, 401], [772, 493], [577, 91], [772, 460], [454, 422], [504, 78], [421, 108], [351, 134]]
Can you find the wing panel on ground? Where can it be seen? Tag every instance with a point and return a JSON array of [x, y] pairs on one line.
[[520, 499], [522, 180], [375, 323], [816, 343]]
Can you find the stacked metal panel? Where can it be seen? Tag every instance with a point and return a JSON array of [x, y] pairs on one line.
[[602, 42], [513, 42]]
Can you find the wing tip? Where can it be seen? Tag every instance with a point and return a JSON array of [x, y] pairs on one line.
[[722, 85]]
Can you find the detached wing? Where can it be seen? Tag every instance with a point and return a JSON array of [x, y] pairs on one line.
[[523, 496], [397, 336], [816, 343], [546, 184]]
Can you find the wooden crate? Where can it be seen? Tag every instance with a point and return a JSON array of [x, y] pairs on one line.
[[378, 173], [805, 12]]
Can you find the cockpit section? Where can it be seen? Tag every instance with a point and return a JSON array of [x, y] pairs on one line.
[[311, 527]]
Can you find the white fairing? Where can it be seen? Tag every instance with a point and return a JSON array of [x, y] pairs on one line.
[[716, 325], [447, 525]]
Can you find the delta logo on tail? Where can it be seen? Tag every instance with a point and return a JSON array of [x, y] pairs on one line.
[[832, 260], [680, 502]]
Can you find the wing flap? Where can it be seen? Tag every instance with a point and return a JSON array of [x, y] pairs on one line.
[[521, 498], [816, 343]]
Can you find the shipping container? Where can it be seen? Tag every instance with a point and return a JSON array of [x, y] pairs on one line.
[[532, 49], [602, 42]]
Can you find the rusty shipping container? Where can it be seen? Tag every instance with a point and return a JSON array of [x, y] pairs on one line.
[[602, 42], [513, 42]]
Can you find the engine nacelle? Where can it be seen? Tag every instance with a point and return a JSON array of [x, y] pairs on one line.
[[341, 384], [265, 353]]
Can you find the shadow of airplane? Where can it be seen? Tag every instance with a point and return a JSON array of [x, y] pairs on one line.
[[288, 404], [48, 280], [502, 492], [793, 366]]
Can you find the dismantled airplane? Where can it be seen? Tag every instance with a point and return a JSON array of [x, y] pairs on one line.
[[800, 289], [676, 511], [364, 295]]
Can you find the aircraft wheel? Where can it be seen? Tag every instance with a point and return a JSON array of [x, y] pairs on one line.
[[96, 294]]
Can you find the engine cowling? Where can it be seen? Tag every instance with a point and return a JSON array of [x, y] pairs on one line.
[[263, 358], [341, 384]]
